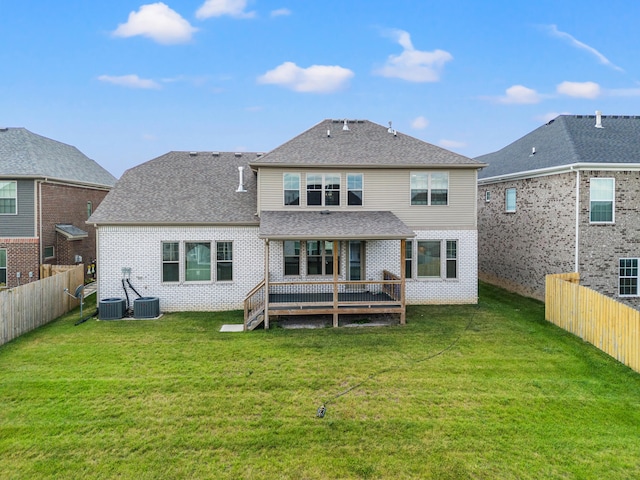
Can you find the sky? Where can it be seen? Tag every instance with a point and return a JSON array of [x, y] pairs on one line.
[[127, 81]]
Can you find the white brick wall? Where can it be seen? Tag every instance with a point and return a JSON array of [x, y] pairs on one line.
[[140, 249]]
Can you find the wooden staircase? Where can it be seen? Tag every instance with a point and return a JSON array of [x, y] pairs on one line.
[[254, 307]]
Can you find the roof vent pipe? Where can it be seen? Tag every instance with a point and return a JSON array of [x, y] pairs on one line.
[[345, 127], [328, 133], [241, 184], [598, 119], [533, 151]]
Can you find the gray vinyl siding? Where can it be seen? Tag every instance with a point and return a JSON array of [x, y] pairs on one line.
[[22, 224], [384, 189]]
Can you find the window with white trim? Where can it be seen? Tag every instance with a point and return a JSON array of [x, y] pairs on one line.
[[8, 197], [197, 261], [601, 200], [452, 259], [487, 196], [510, 200], [408, 259], [354, 188], [89, 209], [323, 189], [429, 258], [3, 267], [628, 277], [170, 262], [49, 252], [291, 182], [429, 188], [291, 254], [224, 261], [320, 257]]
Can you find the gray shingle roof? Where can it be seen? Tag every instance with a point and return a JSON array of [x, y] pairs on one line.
[[183, 188], [364, 144], [25, 154], [567, 140], [319, 225]]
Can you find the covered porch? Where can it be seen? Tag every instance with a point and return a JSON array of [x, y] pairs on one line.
[[344, 286]]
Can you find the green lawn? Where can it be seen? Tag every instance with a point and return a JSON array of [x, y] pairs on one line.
[[484, 392]]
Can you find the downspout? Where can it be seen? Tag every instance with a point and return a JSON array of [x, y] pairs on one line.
[[40, 247], [577, 245]]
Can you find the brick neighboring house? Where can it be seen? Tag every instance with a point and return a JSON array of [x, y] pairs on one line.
[[47, 192], [326, 214], [564, 198]]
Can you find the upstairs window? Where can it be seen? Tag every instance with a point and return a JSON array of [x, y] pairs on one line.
[[429, 188], [8, 198], [170, 262], [3, 267], [89, 209], [628, 277], [601, 200], [323, 189], [291, 183], [510, 200], [354, 188]]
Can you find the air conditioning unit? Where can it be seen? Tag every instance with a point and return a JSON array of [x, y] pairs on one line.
[[146, 307], [112, 309]]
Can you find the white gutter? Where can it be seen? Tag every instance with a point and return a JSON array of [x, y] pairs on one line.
[[543, 172], [577, 245]]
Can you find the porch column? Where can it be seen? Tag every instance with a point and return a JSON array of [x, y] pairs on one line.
[[403, 277], [336, 263], [266, 284]]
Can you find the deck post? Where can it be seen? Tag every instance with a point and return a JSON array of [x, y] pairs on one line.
[[403, 278], [266, 284], [336, 256]]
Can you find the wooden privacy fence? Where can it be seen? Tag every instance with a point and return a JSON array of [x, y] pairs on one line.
[[32, 305], [609, 325]]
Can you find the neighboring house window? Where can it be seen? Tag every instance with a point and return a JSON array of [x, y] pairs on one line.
[[408, 259], [354, 188], [510, 200], [224, 261], [602, 191], [319, 257], [49, 252], [628, 277], [323, 189], [170, 262], [8, 198], [429, 188], [3, 267], [89, 209], [291, 257], [429, 258], [291, 188], [487, 196], [452, 259], [197, 265]]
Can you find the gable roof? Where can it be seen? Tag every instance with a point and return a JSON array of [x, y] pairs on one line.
[[365, 144], [28, 155], [183, 188], [568, 140]]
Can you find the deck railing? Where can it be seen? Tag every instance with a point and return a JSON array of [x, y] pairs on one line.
[[254, 306]]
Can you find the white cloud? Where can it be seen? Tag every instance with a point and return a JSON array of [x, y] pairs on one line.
[[130, 81], [519, 94], [314, 79], [219, 8], [419, 123], [414, 65], [451, 144], [553, 31], [579, 89], [157, 22], [281, 12]]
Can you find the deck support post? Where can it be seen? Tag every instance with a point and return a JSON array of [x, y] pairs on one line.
[[266, 284], [403, 278], [336, 256]]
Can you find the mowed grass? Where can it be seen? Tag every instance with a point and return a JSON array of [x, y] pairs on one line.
[[483, 392]]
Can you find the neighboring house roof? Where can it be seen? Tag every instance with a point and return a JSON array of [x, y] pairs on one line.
[[364, 144], [568, 140], [183, 188], [332, 225], [71, 232], [27, 155]]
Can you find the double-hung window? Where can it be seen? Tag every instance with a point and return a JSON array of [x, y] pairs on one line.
[[291, 182], [170, 262], [354, 188], [291, 250], [452, 259], [510, 200], [601, 200], [320, 257], [429, 258], [408, 259], [323, 189], [3, 267], [224, 261], [197, 261], [628, 277], [8, 198], [429, 188]]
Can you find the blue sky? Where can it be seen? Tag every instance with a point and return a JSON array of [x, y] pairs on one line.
[[126, 81]]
